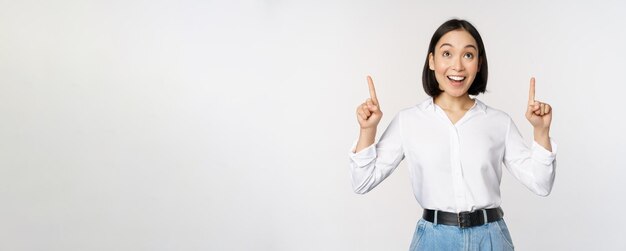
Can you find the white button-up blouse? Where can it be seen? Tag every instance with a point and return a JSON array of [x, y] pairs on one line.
[[454, 167]]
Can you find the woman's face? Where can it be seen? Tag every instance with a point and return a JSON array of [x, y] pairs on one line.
[[455, 62]]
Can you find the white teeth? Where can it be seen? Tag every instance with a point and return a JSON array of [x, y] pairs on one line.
[[456, 78]]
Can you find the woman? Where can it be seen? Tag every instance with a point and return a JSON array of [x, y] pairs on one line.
[[455, 146]]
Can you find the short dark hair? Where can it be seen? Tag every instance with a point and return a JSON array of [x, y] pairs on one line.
[[431, 86]]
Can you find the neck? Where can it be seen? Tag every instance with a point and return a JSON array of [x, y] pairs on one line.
[[447, 102]]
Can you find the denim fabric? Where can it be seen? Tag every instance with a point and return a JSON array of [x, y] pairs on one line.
[[491, 236]]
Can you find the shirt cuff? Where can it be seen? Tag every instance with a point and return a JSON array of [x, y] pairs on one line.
[[363, 157], [542, 154]]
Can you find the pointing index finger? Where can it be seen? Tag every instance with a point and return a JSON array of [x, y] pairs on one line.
[[531, 92], [370, 83]]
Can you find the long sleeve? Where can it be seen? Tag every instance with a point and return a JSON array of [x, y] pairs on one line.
[[372, 165], [534, 166]]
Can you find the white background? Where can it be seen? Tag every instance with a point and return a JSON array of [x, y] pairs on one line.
[[205, 125]]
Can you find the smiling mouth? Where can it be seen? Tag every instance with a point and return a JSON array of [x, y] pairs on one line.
[[456, 78]]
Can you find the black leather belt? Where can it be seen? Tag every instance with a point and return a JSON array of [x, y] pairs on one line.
[[464, 219]]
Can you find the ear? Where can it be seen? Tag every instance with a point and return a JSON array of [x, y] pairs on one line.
[[431, 62]]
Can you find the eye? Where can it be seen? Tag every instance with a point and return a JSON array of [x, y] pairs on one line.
[[446, 54], [468, 55]]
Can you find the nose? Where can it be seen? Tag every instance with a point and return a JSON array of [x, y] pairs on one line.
[[457, 64]]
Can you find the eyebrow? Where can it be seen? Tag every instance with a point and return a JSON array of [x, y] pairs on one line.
[[469, 45]]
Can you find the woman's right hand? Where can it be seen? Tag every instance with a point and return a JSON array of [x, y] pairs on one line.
[[368, 114]]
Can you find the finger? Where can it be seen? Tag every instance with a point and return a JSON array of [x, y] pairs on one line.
[[536, 108], [361, 114], [371, 106], [548, 108], [531, 92], [362, 117], [361, 108], [543, 109], [366, 111], [370, 83]]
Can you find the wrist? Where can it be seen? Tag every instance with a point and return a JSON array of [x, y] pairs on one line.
[[542, 132], [370, 128], [368, 131], [366, 138]]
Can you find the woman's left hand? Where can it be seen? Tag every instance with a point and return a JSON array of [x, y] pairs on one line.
[[539, 114]]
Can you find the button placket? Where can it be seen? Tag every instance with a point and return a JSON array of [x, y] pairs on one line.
[[457, 171]]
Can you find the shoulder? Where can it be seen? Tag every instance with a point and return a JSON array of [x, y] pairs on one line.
[[416, 109], [491, 112], [425, 105]]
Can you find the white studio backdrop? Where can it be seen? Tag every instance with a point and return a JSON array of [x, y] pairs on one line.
[[226, 125]]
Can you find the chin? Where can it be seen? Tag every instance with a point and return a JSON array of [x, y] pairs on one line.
[[455, 92]]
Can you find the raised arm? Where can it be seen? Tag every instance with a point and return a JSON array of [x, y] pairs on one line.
[[539, 115], [369, 115]]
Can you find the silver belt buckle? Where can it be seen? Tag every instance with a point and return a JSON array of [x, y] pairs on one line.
[[464, 220]]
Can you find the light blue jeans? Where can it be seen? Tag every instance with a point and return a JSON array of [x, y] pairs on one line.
[[491, 236]]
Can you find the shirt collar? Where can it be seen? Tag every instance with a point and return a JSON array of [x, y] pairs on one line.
[[429, 104], [480, 106]]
